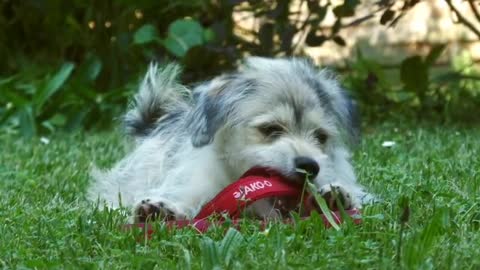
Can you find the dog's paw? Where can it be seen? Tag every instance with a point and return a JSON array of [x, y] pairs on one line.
[[335, 193], [150, 211]]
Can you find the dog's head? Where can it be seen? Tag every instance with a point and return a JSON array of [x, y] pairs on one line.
[[279, 113]]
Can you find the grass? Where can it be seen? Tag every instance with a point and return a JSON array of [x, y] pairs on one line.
[[433, 172]]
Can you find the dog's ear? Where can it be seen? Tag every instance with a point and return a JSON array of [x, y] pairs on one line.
[[334, 98], [345, 109], [215, 104]]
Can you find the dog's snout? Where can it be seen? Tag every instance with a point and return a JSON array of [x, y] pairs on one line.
[[307, 164]]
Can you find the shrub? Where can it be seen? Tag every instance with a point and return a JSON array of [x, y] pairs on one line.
[[73, 64]]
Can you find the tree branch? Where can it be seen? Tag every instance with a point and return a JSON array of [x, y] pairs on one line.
[[359, 20], [303, 31], [474, 10], [366, 17], [462, 19]]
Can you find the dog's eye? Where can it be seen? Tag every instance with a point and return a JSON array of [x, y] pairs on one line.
[[271, 130], [321, 136]]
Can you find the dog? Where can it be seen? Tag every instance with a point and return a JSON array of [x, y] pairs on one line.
[[282, 114]]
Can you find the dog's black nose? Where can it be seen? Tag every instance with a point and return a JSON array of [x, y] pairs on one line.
[[307, 164]]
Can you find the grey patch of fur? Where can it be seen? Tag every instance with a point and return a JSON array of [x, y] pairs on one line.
[[332, 97], [159, 95], [211, 110], [324, 82]]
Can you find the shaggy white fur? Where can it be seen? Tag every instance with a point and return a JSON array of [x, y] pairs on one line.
[[277, 113]]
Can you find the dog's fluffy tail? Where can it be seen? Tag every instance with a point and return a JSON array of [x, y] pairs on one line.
[[159, 95]]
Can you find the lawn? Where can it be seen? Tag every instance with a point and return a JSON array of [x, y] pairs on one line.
[[45, 221]]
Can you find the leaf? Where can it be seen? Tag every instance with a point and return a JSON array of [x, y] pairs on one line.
[[451, 76], [186, 253], [53, 85], [16, 99], [208, 35], [49, 126], [352, 3], [91, 68], [58, 120], [7, 80], [210, 254], [26, 119], [232, 240], [336, 26], [145, 34], [322, 13], [344, 11], [434, 54], [286, 38], [323, 206], [313, 40], [339, 40], [76, 120], [265, 36], [313, 6], [183, 35], [396, 20], [387, 16], [174, 47], [412, 3], [200, 57], [400, 96], [414, 74], [404, 204]]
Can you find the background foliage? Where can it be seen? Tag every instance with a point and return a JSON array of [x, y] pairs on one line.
[[68, 65]]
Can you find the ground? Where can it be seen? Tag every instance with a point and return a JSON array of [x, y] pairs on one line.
[[428, 181]]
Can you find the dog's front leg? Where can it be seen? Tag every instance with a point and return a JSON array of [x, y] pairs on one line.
[[182, 197], [158, 209]]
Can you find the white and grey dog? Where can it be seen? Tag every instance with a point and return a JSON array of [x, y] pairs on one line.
[[277, 113]]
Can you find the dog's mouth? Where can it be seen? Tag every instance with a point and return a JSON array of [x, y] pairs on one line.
[[286, 205], [299, 176]]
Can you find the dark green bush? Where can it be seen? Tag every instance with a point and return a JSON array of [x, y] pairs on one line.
[[73, 64], [416, 89]]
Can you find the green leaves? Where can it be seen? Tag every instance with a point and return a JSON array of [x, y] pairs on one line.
[[33, 103], [53, 85], [220, 254], [414, 87], [415, 70], [347, 9], [145, 34], [339, 40], [26, 121], [91, 68], [182, 35], [27, 100], [315, 40], [434, 54], [323, 205], [414, 74], [387, 16]]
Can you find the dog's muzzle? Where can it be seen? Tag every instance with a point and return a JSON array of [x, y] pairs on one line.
[[308, 165]]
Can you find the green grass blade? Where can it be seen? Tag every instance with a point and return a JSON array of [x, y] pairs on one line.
[[210, 253], [232, 240], [323, 206], [26, 121], [186, 253]]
